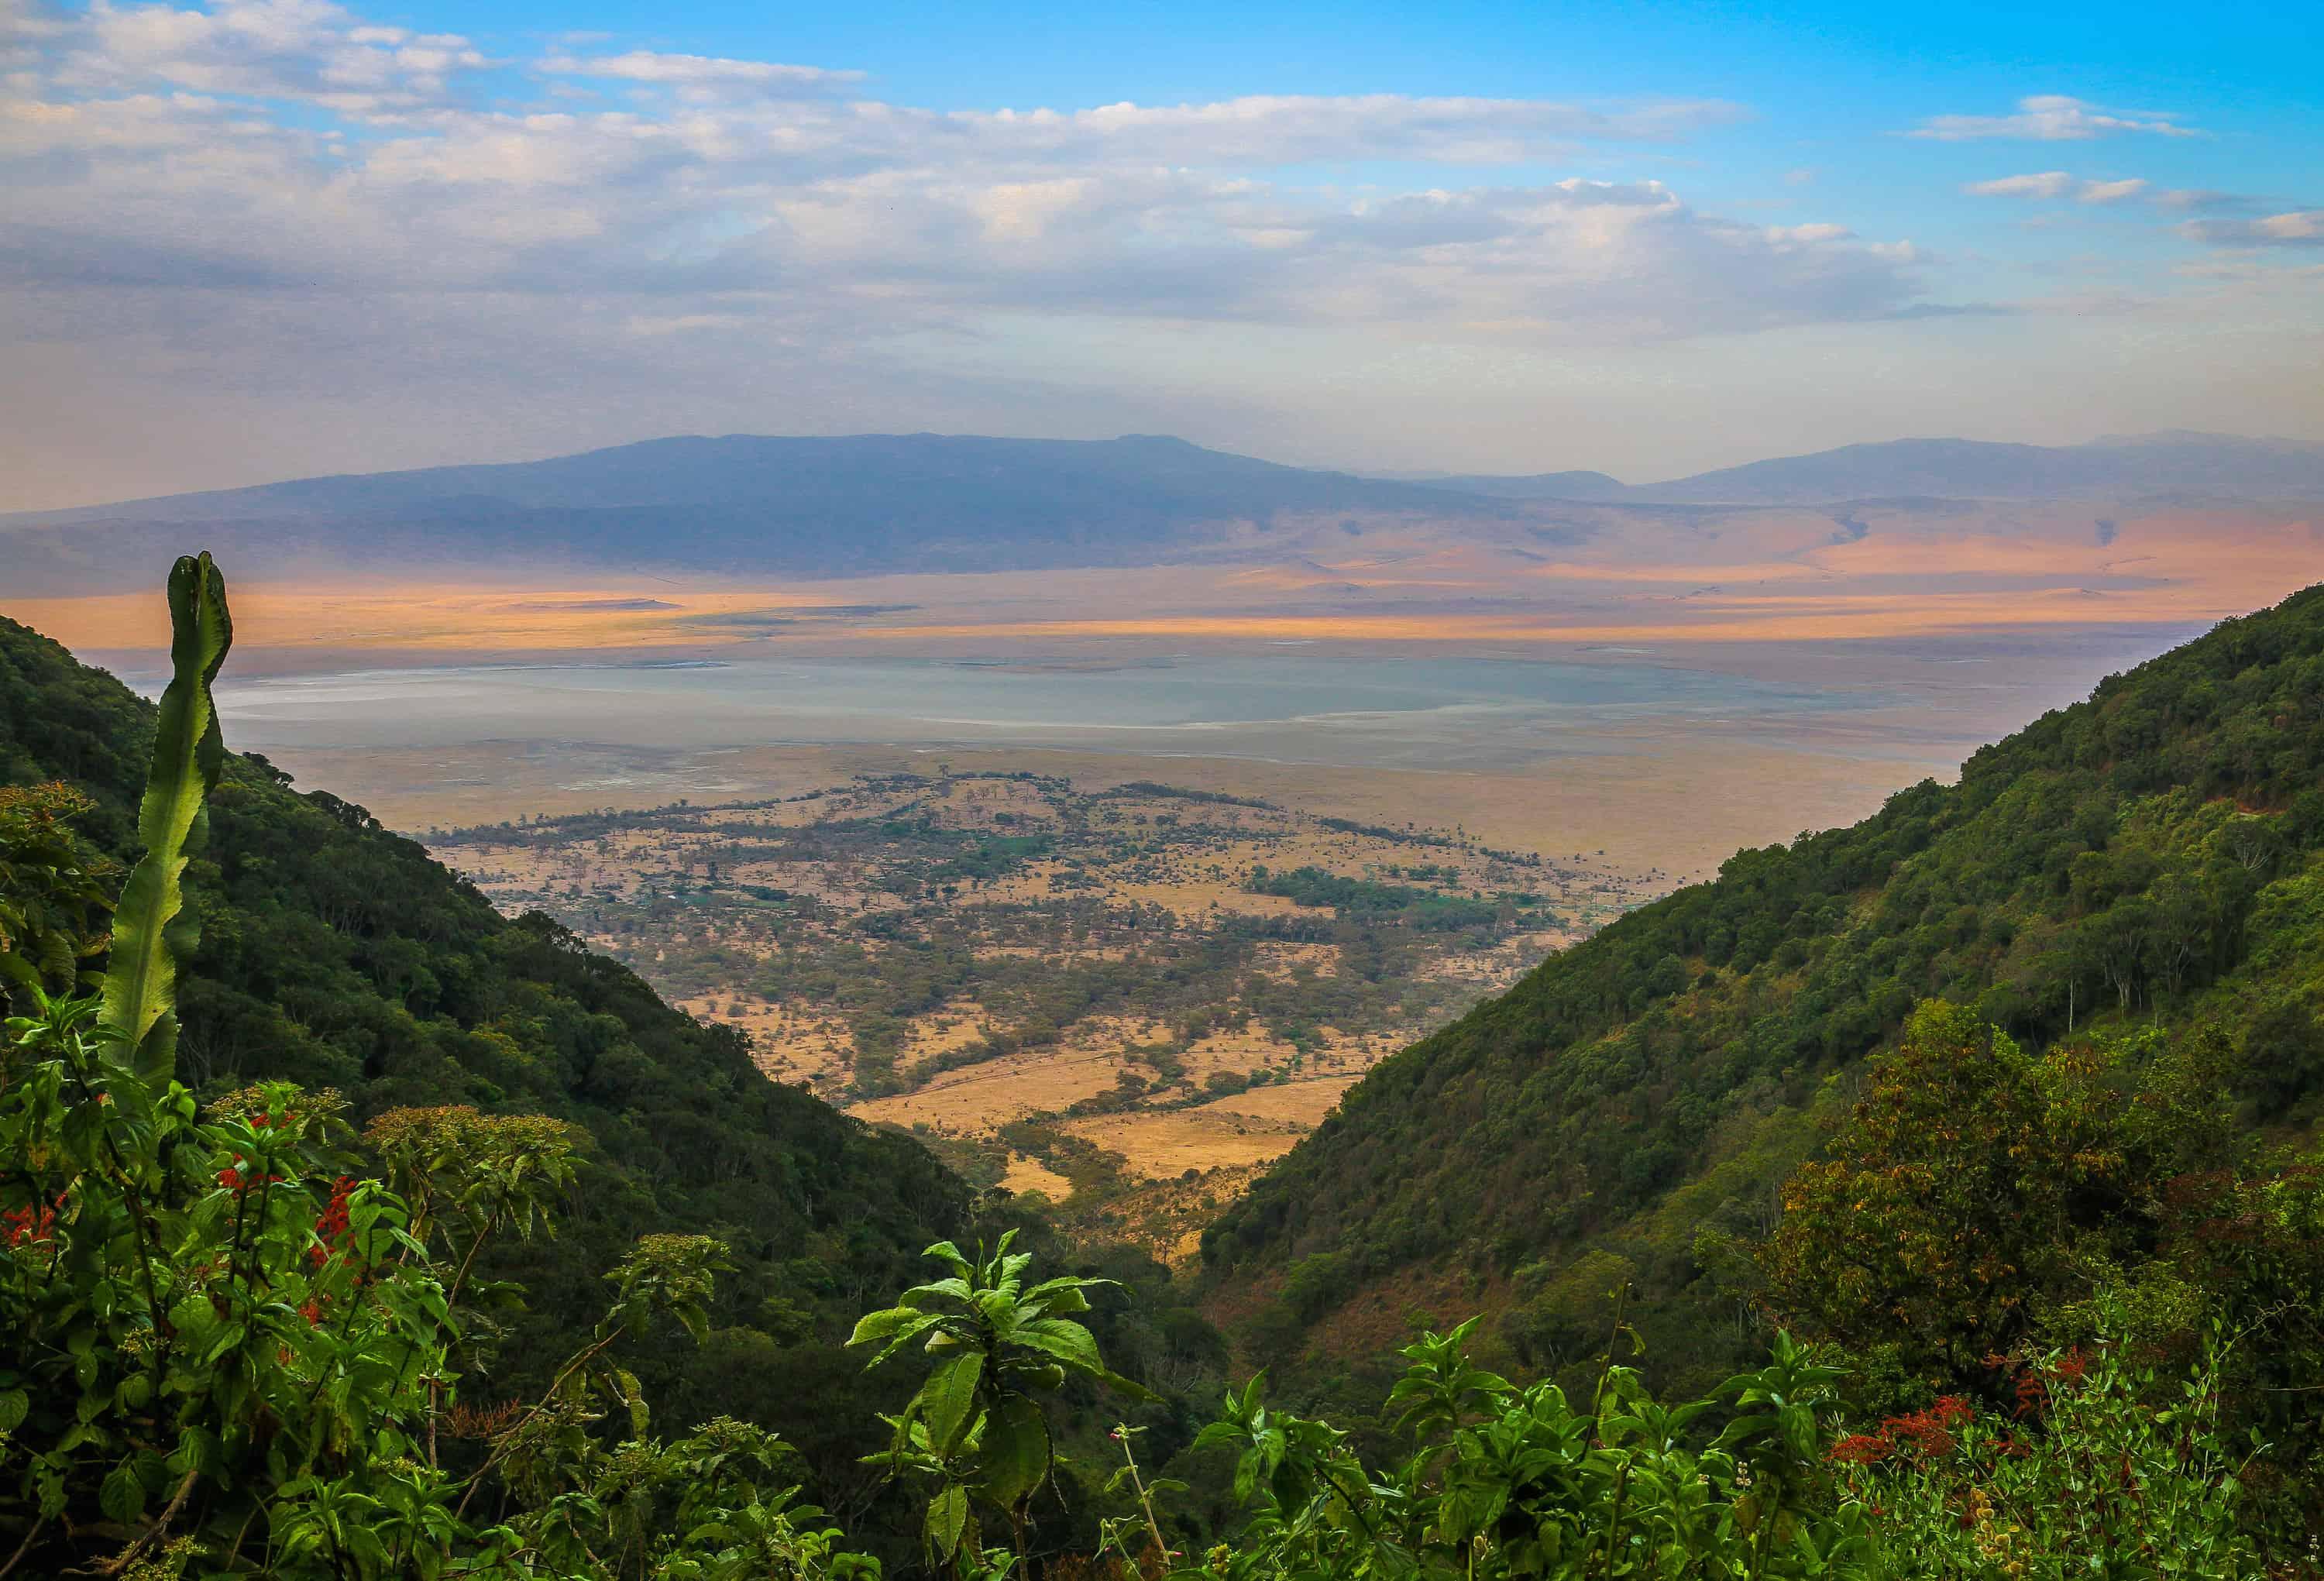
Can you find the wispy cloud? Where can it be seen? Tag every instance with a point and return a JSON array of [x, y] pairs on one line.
[[304, 50], [2046, 184], [646, 66], [2299, 228], [2193, 199], [2052, 118]]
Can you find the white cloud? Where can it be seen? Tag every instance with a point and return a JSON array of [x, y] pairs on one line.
[[2192, 199], [297, 50], [2046, 184], [2051, 118], [2300, 228], [646, 66]]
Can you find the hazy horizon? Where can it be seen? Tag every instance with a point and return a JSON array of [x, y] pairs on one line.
[[1384, 473]]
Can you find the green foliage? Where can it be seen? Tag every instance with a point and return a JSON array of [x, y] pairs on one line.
[[2105, 1469], [1509, 1482], [226, 1351], [172, 822], [1980, 1200], [52, 896], [977, 1427], [1425, 910], [1975, 1185]]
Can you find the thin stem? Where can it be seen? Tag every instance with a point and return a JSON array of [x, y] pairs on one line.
[[451, 1299], [25, 1546], [1145, 1498], [547, 1394], [136, 1207], [1614, 1530], [1606, 1364], [120, 1561]]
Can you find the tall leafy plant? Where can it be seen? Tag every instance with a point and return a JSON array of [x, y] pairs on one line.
[[189, 755], [978, 1428]]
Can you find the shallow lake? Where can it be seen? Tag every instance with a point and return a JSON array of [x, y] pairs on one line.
[[1437, 713]]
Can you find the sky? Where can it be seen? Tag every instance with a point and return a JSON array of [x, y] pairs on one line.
[[257, 239]]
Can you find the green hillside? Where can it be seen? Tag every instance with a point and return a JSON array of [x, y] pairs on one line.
[[336, 954], [1630, 1111]]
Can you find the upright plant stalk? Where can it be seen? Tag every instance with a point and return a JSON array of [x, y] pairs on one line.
[[189, 755], [1145, 1498], [1606, 1362]]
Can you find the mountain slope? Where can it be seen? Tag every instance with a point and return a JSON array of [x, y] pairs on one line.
[[739, 504], [1591, 487], [2217, 466], [335, 953], [2156, 853]]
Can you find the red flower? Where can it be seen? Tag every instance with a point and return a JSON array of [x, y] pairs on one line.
[[1862, 1448], [332, 1227], [2032, 1394], [1928, 1434], [32, 1223]]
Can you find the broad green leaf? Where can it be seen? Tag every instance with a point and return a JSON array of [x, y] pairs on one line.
[[949, 1254], [880, 1325], [121, 1495], [1016, 1457], [955, 1288], [948, 1400], [920, 1325], [189, 755], [947, 1514], [1063, 1338]]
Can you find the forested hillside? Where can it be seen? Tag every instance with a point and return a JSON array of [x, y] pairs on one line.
[[336, 954], [2153, 856]]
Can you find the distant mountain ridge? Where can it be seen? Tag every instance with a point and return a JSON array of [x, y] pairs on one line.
[[860, 504], [2180, 463], [867, 504]]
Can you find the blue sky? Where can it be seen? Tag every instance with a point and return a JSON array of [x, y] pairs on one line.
[[263, 238]]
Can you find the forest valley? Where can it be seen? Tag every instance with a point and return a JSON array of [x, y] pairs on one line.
[[1940, 1198]]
